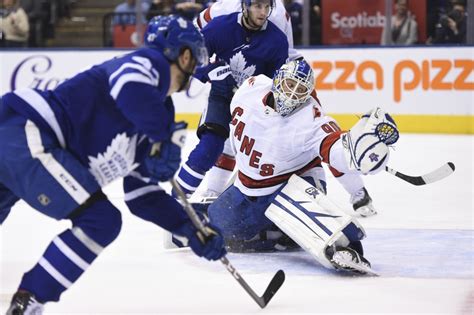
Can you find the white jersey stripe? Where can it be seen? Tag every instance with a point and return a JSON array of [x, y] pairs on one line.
[[147, 64], [70, 254], [141, 191], [53, 272], [185, 185], [135, 66], [87, 241], [192, 172], [130, 77], [59, 173], [139, 176], [39, 104]]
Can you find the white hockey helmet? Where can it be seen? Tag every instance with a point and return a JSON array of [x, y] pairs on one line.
[[292, 86]]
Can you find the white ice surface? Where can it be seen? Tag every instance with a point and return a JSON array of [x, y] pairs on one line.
[[421, 243]]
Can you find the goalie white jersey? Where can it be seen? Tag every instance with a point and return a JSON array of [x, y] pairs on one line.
[[270, 148]]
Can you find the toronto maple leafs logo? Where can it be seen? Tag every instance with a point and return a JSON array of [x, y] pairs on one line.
[[374, 157], [240, 71], [117, 160]]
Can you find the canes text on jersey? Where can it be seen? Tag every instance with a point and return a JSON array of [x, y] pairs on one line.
[[247, 144]]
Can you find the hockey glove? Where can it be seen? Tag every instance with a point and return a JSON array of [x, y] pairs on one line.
[[164, 157], [366, 144], [210, 247]]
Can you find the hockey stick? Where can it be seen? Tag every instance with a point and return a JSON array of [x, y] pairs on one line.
[[278, 278], [434, 176]]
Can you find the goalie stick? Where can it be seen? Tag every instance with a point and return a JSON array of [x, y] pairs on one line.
[[275, 283], [434, 176]]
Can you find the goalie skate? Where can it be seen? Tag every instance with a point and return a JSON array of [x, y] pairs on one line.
[[362, 203], [347, 259]]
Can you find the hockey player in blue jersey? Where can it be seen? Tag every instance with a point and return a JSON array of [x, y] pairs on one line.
[[248, 44], [59, 148]]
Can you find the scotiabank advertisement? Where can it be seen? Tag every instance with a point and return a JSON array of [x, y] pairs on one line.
[[362, 21]]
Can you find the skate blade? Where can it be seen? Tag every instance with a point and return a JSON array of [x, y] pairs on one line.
[[357, 269]]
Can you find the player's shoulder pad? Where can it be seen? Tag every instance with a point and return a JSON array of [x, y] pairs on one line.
[[278, 35]]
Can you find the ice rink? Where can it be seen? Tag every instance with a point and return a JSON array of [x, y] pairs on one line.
[[421, 243]]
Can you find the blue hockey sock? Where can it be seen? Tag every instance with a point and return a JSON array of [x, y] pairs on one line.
[[70, 253], [66, 258]]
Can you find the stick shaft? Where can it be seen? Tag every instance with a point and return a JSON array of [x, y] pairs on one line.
[[224, 260]]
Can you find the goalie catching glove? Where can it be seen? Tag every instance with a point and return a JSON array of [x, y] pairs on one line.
[[366, 144]]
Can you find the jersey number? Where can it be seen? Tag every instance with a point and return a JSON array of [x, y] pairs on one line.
[[330, 127]]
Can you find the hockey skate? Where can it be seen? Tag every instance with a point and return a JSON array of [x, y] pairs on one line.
[[24, 303], [347, 259], [362, 203]]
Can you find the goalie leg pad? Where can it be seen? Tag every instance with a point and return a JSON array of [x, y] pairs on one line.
[[312, 220]]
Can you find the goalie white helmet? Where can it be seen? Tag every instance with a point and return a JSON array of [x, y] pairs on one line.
[[292, 86]]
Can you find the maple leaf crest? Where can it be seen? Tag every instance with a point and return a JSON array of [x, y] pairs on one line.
[[240, 72], [117, 160]]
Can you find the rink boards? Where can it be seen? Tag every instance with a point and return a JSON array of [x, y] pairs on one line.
[[427, 89]]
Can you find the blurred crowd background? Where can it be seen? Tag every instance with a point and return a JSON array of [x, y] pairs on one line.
[[119, 23]]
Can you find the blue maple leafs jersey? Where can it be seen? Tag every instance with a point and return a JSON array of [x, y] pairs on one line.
[[248, 53], [107, 107]]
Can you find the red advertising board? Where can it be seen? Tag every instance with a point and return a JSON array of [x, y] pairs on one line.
[[127, 36], [362, 21]]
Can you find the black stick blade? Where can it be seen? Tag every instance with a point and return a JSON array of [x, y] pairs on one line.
[[272, 288], [431, 177], [451, 165]]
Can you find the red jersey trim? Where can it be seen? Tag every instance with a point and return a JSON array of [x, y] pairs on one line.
[[226, 162], [315, 96], [335, 172], [327, 143], [199, 22], [207, 15], [269, 182]]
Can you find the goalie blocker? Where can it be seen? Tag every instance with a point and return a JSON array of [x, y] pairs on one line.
[[312, 220]]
